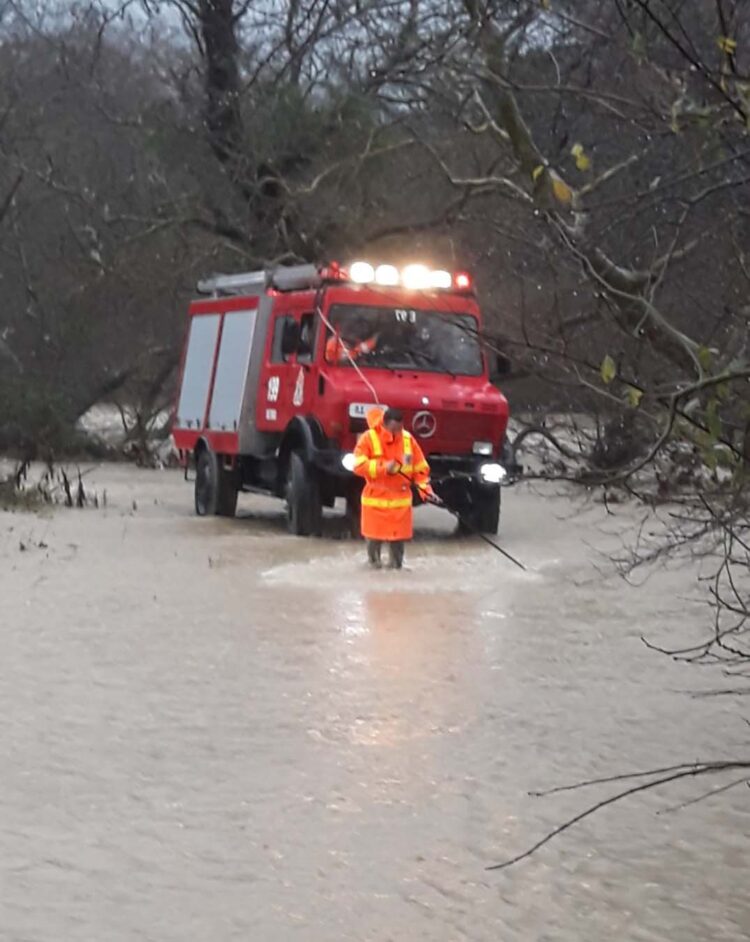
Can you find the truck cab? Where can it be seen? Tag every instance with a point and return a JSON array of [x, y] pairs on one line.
[[280, 368]]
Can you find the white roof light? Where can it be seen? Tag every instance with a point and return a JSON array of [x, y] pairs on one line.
[[387, 275], [416, 277], [361, 272], [441, 279]]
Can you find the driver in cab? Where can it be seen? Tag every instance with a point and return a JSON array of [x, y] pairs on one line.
[[342, 351]]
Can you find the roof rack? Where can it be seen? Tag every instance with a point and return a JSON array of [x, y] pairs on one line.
[[282, 278]]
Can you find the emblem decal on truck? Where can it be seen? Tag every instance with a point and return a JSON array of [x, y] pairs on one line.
[[272, 390], [299, 389], [424, 425]]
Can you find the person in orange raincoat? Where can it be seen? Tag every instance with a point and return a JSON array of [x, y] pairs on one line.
[[338, 351], [390, 460]]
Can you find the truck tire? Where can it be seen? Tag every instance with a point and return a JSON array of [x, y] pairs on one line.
[[215, 487], [304, 507], [484, 514], [228, 492]]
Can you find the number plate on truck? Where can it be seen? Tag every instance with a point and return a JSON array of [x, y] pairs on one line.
[[359, 410]]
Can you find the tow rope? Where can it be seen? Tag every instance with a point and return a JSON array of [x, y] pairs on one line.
[[438, 502]]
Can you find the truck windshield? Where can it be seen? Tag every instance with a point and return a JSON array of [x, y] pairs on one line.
[[403, 339]]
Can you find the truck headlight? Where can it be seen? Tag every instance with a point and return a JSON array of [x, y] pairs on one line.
[[347, 461], [482, 448], [492, 473]]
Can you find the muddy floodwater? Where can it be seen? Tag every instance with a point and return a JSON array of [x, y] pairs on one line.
[[211, 730]]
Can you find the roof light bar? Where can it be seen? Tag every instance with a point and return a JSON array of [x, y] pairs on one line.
[[412, 277], [441, 279], [362, 273], [333, 272], [387, 275], [416, 277]]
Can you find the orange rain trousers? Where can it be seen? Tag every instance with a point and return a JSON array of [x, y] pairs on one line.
[[387, 498]]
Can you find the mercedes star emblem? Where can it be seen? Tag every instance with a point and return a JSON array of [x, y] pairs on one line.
[[424, 424]]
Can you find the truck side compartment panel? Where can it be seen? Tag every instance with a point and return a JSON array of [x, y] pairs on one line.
[[196, 378], [231, 370]]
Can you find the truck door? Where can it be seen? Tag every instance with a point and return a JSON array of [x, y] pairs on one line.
[[306, 380], [287, 386]]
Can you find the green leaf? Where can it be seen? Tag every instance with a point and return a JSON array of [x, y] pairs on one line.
[[608, 369], [583, 161], [563, 193], [727, 45], [723, 392], [634, 396], [704, 357]]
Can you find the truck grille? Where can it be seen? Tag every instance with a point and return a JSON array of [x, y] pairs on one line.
[[464, 427]]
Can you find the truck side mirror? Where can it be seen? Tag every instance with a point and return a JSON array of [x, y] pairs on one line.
[[290, 338]]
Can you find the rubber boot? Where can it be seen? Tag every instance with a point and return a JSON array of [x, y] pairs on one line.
[[374, 548], [396, 552]]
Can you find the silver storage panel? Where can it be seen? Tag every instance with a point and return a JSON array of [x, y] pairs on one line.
[[231, 370], [196, 378]]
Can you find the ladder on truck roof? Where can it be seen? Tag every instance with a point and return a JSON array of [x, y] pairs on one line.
[[282, 278]]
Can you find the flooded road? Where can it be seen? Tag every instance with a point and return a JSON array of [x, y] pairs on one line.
[[213, 731]]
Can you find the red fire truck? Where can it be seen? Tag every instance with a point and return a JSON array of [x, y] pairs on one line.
[[280, 368]]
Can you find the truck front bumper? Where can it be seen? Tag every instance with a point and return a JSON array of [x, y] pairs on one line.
[[446, 471], [473, 470]]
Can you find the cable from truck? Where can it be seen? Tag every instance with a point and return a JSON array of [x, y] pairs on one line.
[[438, 502]]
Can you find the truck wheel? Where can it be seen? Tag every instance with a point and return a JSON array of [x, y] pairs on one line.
[[484, 513], [228, 492], [304, 508], [206, 483], [215, 488]]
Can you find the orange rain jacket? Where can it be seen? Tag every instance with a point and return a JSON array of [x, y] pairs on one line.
[[386, 499], [339, 352]]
